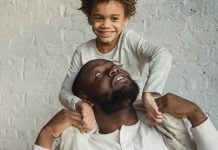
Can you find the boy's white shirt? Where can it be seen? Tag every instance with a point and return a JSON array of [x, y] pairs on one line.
[[132, 53]]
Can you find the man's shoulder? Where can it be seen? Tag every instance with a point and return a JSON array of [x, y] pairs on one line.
[[72, 138], [72, 132]]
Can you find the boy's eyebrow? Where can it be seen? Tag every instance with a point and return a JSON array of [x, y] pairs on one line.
[[96, 14]]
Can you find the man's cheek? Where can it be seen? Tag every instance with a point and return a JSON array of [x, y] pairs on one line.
[[103, 88]]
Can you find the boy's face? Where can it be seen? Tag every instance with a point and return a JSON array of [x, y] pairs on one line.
[[107, 21]]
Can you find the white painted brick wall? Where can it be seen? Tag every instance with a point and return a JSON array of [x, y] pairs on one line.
[[38, 38]]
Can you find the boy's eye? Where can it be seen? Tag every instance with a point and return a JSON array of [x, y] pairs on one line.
[[98, 18], [115, 18]]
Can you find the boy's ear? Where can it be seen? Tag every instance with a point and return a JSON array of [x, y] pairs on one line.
[[89, 20], [125, 21]]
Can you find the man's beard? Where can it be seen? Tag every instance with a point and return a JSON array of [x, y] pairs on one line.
[[120, 99]]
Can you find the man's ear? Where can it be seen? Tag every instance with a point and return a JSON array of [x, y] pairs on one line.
[[83, 96], [87, 100]]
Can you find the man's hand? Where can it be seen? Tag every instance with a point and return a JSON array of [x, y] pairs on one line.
[[57, 125], [153, 113], [181, 108], [87, 113]]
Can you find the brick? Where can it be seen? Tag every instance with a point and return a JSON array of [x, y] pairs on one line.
[[36, 99], [24, 135], [23, 123], [5, 123], [13, 75], [148, 13], [4, 43], [33, 74], [2, 134], [48, 36], [12, 99], [10, 63], [169, 11], [163, 25], [7, 111], [8, 144], [0, 100], [11, 134], [72, 35]]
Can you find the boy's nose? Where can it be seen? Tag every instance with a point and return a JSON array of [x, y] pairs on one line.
[[114, 70], [106, 23]]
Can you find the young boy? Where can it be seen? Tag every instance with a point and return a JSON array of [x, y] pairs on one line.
[[108, 19]]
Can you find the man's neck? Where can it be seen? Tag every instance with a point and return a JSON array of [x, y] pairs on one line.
[[110, 122]]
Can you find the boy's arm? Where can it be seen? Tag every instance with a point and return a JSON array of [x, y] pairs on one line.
[[159, 68], [66, 96], [159, 65], [69, 100]]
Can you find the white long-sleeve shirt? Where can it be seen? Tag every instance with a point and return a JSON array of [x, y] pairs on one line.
[[131, 53], [136, 137]]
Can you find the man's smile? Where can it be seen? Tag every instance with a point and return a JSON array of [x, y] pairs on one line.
[[119, 79]]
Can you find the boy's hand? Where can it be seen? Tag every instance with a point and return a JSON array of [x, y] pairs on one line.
[[88, 120], [151, 107]]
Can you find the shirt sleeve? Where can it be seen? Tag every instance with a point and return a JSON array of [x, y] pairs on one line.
[[159, 66], [206, 136], [36, 147], [66, 96]]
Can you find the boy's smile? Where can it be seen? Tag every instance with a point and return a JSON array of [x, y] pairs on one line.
[[107, 20]]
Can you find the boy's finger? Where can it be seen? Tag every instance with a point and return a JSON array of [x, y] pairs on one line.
[[158, 121], [158, 117], [157, 112], [155, 119]]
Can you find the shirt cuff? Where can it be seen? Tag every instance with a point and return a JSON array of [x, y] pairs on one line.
[[205, 135], [36, 147], [72, 105]]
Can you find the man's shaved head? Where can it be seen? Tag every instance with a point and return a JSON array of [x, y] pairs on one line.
[[78, 84], [105, 85]]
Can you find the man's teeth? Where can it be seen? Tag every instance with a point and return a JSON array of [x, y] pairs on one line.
[[119, 78]]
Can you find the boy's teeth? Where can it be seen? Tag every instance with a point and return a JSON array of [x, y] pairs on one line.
[[106, 32]]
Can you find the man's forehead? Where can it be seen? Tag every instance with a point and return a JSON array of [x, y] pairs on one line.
[[97, 63]]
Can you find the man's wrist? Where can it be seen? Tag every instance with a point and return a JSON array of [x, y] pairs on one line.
[[196, 116], [45, 139]]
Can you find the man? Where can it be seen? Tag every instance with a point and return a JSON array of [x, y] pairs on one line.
[[112, 92]]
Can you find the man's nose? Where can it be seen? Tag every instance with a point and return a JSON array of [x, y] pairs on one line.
[[114, 70]]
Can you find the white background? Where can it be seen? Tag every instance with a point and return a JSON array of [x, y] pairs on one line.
[[38, 38]]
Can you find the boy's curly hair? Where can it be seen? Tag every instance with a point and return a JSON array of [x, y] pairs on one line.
[[128, 5]]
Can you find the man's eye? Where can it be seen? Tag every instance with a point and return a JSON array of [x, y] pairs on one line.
[[98, 75]]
